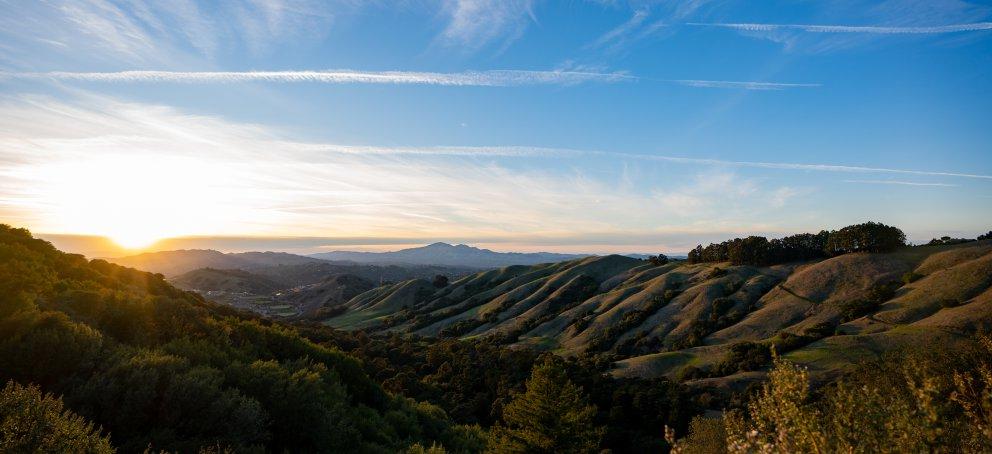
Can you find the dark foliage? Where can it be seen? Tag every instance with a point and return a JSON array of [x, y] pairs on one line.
[[472, 380], [946, 240], [745, 356], [34, 422], [759, 251], [160, 368], [658, 260], [987, 236], [867, 237], [440, 281], [876, 295]]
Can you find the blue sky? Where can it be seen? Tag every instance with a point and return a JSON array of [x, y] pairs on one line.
[[585, 126]]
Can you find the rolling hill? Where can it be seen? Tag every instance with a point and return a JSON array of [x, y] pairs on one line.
[[332, 292], [231, 281], [690, 320], [288, 270], [448, 255]]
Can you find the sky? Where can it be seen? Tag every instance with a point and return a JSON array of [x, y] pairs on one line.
[[569, 126]]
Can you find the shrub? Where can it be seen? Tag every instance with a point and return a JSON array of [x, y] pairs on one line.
[[949, 303], [745, 356], [857, 308], [440, 281], [987, 236], [34, 422], [820, 330], [706, 435], [658, 260], [905, 403], [911, 277]]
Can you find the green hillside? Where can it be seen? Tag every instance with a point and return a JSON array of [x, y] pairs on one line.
[[682, 319], [158, 368], [231, 281]]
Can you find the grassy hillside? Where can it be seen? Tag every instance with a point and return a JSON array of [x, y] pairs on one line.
[[328, 294], [232, 281], [703, 321]]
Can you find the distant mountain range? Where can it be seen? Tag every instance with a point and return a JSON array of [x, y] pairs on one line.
[[449, 255], [174, 263]]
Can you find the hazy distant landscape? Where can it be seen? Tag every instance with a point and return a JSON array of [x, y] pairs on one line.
[[496, 226]]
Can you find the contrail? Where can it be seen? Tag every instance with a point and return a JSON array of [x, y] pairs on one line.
[[796, 166], [499, 78], [902, 183], [743, 85], [525, 151], [957, 28], [494, 78]]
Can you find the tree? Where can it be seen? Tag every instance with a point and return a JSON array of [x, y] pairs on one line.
[[695, 255], [34, 422], [440, 281], [551, 416], [752, 250], [867, 237], [987, 236], [658, 260]]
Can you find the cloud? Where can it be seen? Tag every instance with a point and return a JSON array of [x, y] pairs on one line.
[[101, 166], [149, 31], [496, 78], [524, 151], [741, 85], [618, 35], [931, 30], [902, 183], [492, 78], [474, 24], [781, 196], [806, 167]]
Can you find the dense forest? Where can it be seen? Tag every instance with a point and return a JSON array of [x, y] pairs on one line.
[[155, 367], [95, 357]]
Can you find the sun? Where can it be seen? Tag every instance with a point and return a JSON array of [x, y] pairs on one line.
[[136, 199], [134, 240]]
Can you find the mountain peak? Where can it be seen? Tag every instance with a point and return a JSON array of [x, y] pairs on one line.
[[441, 253]]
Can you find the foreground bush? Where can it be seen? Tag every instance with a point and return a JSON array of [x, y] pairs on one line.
[[910, 403], [34, 422]]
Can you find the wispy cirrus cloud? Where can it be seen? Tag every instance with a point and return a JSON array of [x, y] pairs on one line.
[[474, 24], [526, 151], [494, 78], [903, 183], [70, 162], [647, 19], [491, 78], [741, 85], [617, 36], [931, 30], [148, 31]]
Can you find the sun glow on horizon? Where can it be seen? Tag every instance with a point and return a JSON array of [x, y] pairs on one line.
[[134, 200]]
